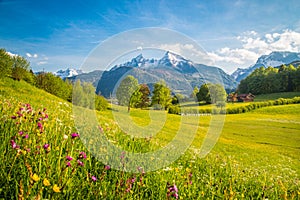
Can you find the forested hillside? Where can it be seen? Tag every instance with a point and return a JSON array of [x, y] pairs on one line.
[[271, 80]]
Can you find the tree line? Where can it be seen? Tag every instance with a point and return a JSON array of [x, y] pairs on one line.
[[271, 80], [134, 95], [18, 68]]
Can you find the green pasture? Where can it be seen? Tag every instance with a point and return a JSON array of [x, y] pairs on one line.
[[257, 155]]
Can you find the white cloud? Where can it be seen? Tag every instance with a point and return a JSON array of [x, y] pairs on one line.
[[29, 55], [253, 46], [42, 63]]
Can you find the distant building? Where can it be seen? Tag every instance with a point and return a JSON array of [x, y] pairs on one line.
[[245, 97]]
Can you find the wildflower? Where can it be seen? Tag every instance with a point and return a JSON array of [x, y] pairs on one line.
[[69, 158], [74, 135], [13, 144], [40, 125], [20, 114], [56, 188], [21, 132], [100, 129], [82, 155], [46, 182], [65, 137], [172, 190], [80, 163], [107, 167], [68, 164], [35, 177], [94, 178], [46, 146], [26, 136], [13, 117]]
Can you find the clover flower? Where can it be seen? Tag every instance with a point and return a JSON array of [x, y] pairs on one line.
[[107, 167]]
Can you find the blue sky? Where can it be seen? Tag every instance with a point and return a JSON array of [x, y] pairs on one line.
[[59, 34]]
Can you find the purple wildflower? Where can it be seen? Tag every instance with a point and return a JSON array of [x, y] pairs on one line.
[[13, 117], [13, 144], [26, 136], [82, 155], [69, 158], [94, 178], [107, 167], [74, 135], [40, 125], [80, 163], [68, 164], [21, 132], [46, 146]]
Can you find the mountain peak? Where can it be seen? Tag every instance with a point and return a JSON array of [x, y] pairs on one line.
[[274, 59], [69, 72]]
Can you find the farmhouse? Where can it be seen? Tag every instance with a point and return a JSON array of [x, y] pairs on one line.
[[245, 97]]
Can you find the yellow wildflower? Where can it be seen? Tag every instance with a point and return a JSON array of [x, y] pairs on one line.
[[56, 188], [46, 182], [35, 177]]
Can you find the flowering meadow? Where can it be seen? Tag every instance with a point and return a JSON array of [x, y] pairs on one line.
[[43, 156]]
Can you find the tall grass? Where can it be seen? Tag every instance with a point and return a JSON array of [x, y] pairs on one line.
[[43, 157]]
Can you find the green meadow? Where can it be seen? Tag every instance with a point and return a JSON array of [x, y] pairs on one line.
[[257, 155]]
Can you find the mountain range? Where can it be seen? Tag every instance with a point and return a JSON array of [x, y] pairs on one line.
[[274, 59], [180, 74]]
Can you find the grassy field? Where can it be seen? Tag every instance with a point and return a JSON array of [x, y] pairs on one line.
[[256, 157]]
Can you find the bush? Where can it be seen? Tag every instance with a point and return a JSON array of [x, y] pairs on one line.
[[100, 103], [174, 109]]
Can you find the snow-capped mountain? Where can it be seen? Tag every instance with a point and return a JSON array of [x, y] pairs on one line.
[[274, 59], [69, 72], [168, 60], [179, 73]]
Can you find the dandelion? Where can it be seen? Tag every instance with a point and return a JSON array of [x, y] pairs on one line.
[[35, 177], [82, 155], [94, 178], [74, 135], [46, 182], [69, 158], [56, 188]]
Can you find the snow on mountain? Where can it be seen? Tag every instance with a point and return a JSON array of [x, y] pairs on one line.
[[69, 72], [274, 59], [168, 60]]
